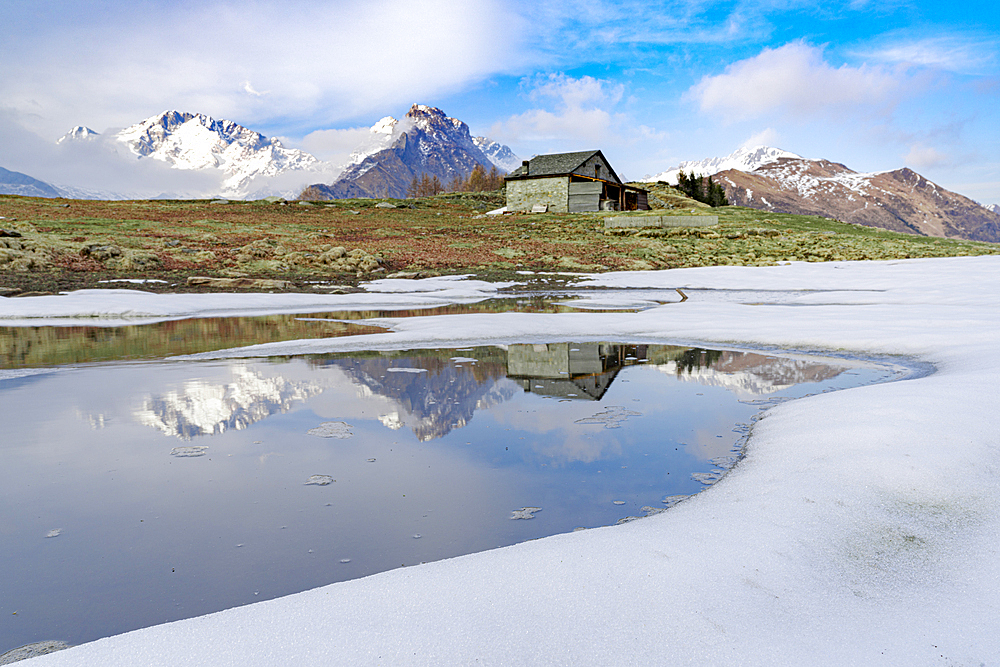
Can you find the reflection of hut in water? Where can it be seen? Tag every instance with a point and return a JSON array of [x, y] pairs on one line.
[[570, 370]]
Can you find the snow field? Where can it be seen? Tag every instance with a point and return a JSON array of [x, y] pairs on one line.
[[861, 528]]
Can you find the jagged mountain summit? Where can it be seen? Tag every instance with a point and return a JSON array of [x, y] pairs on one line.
[[742, 159], [424, 141], [197, 141], [900, 200]]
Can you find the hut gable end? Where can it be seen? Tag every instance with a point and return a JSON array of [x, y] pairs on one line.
[[597, 167]]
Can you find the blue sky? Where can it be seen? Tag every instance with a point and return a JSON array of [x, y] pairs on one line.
[[874, 85]]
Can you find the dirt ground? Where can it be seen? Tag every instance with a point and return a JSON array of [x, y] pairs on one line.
[[55, 245]]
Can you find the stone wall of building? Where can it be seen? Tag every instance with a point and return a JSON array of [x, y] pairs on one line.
[[522, 194]]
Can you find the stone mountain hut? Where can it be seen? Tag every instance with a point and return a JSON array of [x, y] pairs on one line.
[[571, 183]]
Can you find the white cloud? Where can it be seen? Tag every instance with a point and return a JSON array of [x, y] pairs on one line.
[[766, 137], [959, 53], [250, 89], [572, 114], [320, 62], [795, 80], [921, 157], [335, 146]]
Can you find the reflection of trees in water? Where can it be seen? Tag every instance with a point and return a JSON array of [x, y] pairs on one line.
[[437, 393], [695, 357]]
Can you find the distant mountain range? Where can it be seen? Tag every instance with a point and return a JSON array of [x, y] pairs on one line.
[[190, 141], [425, 141], [16, 183], [742, 159], [901, 200]]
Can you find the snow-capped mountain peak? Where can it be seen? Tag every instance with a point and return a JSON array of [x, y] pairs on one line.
[[502, 156], [742, 159], [196, 141], [426, 142], [995, 208], [438, 126], [78, 133]]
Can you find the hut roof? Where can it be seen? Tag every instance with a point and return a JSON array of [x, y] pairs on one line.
[[558, 164]]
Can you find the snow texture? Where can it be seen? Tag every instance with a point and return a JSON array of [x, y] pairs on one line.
[[861, 528], [197, 141], [742, 159]]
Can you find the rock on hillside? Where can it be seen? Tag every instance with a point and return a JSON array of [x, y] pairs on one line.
[[425, 141], [900, 200]]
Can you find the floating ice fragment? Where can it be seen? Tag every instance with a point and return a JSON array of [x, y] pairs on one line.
[[618, 502], [53, 533], [670, 501], [525, 513], [417, 536], [402, 369], [371, 460], [345, 560], [708, 478], [189, 452], [319, 480], [612, 417], [464, 360], [332, 430]]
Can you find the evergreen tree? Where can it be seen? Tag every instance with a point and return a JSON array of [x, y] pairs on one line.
[[702, 189]]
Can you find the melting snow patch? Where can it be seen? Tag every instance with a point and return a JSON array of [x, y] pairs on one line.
[[332, 430], [320, 480], [611, 418], [189, 452]]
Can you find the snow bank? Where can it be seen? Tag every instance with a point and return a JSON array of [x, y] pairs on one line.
[[114, 307], [861, 528]]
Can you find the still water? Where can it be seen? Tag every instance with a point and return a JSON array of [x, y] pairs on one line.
[[138, 492]]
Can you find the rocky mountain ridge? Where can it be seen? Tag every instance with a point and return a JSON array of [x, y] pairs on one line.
[[772, 179], [742, 159], [424, 141], [900, 200]]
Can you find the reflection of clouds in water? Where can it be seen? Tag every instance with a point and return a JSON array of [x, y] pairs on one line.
[[706, 444], [562, 439], [563, 447], [747, 374], [207, 408]]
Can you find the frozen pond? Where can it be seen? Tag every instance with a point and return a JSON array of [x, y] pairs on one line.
[[138, 492]]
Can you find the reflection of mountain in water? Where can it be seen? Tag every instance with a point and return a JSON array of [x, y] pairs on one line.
[[746, 373], [204, 408], [436, 394]]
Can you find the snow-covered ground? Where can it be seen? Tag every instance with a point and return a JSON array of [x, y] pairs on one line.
[[862, 528]]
